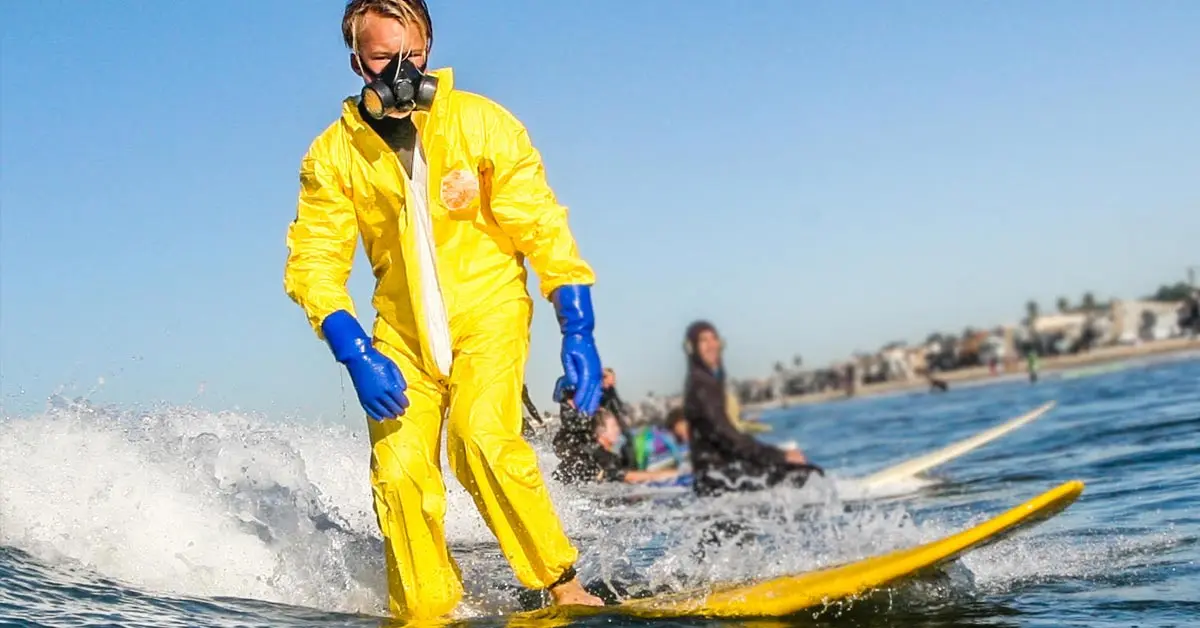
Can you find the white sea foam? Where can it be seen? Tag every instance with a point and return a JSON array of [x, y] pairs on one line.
[[189, 502]]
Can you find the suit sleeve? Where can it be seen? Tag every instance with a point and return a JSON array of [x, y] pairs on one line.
[[711, 408], [526, 209], [320, 241]]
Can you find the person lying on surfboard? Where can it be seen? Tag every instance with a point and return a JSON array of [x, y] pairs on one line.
[[723, 458], [589, 450]]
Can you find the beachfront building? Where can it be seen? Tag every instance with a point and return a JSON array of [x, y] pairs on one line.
[[1120, 322], [1145, 321]]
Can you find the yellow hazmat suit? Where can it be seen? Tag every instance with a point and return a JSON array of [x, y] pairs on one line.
[[453, 313]]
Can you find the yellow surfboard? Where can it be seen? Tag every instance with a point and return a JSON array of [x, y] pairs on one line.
[[786, 595]]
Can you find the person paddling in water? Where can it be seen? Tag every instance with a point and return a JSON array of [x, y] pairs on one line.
[[723, 458]]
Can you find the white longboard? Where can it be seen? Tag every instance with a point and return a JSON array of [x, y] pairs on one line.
[[909, 469]]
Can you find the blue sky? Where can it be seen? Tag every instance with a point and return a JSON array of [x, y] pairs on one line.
[[814, 177]]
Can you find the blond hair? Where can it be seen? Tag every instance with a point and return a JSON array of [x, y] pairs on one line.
[[600, 419], [406, 11]]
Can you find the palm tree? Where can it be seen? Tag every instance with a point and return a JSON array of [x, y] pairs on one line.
[[1177, 292], [1064, 304], [1031, 309], [1089, 301]]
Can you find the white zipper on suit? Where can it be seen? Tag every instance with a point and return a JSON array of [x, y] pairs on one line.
[[437, 323]]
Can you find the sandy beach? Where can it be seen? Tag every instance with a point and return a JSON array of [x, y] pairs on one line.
[[982, 374]]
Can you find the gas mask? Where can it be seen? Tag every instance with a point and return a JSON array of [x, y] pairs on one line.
[[401, 87]]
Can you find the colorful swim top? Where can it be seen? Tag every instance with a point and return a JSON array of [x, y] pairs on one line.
[[656, 448]]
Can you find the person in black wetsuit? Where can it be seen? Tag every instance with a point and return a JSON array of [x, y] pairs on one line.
[[609, 398], [723, 458]]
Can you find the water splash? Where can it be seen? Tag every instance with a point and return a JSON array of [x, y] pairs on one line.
[[191, 503], [183, 501]]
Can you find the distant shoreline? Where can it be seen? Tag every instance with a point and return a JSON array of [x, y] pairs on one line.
[[982, 374]]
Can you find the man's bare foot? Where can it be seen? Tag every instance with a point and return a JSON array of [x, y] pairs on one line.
[[571, 592]]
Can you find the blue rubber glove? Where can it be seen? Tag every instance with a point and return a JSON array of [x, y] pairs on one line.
[[377, 380], [581, 362]]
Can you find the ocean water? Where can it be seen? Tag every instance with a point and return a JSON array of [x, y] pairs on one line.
[[177, 517]]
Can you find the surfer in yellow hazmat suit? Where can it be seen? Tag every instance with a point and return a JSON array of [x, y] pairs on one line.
[[450, 199]]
